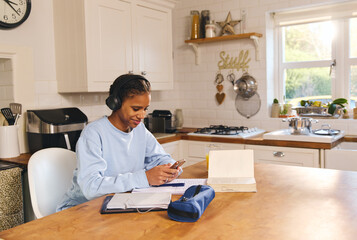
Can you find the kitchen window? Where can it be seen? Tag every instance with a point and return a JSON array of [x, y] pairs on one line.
[[317, 54]]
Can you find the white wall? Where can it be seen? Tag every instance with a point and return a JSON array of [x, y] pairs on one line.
[[195, 82]]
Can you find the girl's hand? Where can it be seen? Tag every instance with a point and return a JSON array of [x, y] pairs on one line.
[[161, 174]]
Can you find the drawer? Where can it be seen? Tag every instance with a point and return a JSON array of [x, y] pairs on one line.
[[285, 156]]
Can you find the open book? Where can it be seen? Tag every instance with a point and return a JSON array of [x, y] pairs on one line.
[[231, 171]]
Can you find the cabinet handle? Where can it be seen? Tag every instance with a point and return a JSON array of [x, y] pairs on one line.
[[278, 154], [130, 72], [143, 73]]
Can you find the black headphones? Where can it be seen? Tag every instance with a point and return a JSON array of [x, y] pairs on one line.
[[113, 101]]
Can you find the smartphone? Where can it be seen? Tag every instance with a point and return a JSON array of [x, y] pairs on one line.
[[178, 164]]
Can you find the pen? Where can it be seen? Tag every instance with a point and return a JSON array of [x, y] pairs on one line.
[[172, 185]]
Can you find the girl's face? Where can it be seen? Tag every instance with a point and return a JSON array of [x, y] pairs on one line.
[[133, 110]]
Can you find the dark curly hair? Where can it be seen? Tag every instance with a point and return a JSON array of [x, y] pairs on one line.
[[136, 86]]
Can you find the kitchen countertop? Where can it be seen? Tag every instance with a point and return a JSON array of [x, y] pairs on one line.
[[257, 140]]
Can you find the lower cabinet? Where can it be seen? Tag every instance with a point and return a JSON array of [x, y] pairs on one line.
[[174, 149], [195, 151], [286, 155]]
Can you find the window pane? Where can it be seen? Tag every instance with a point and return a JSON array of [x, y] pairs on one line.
[[353, 86], [307, 84], [353, 37], [308, 42]]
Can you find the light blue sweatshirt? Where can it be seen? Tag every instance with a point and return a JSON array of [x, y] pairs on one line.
[[112, 161]]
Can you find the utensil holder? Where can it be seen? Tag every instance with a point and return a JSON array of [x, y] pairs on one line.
[[9, 141]]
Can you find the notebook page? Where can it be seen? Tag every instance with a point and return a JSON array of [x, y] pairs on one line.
[[139, 200]]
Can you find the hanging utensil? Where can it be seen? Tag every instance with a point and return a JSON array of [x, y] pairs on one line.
[[8, 115], [246, 86], [248, 107]]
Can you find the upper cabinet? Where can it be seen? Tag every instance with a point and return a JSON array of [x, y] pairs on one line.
[[98, 40]]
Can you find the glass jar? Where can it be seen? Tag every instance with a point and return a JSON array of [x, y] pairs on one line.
[[195, 27], [205, 17], [210, 147], [210, 30]]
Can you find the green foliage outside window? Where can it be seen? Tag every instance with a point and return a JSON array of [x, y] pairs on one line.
[[307, 42]]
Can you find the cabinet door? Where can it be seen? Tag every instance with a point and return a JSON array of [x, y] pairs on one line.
[[154, 46], [173, 148], [195, 151], [109, 42], [285, 155]]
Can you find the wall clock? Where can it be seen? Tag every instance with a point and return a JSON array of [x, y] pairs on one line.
[[14, 12]]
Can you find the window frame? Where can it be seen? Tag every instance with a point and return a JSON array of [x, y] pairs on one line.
[[339, 51]]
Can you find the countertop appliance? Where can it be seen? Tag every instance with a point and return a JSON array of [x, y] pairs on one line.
[[227, 131], [54, 128], [159, 121]]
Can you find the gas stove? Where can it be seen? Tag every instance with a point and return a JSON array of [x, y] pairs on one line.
[[227, 131]]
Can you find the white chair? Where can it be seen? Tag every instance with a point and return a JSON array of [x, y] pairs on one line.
[[50, 173]]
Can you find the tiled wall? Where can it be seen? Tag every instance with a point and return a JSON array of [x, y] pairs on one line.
[[6, 84], [195, 83]]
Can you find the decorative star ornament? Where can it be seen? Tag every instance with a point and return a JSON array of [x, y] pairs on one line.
[[228, 25]]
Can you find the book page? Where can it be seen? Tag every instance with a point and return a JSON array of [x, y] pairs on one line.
[[139, 200], [231, 180], [231, 164]]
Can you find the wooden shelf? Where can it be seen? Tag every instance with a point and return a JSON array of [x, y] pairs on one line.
[[224, 38], [253, 36]]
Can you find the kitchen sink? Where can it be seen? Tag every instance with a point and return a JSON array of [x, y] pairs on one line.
[[342, 157], [285, 135]]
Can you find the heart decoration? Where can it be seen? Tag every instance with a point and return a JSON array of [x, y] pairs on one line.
[[220, 97], [219, 87]]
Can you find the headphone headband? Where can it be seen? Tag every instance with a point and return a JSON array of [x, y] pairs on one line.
[[113, 101]]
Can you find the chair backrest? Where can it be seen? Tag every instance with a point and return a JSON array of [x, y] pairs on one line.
[[50, 173]]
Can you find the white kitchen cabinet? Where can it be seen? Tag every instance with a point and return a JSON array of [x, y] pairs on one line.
[[195, 151], [342, 157], [286, 155], [98, 40], [154, 46], [174, 149]]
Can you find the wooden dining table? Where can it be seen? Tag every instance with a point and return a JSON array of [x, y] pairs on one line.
[[291, 203]]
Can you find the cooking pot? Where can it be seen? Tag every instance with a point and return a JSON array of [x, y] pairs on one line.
[[300, 125], [245, 86]]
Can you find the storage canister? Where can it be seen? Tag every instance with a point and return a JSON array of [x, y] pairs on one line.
[[205, 17], [195, 27], [210, 30]]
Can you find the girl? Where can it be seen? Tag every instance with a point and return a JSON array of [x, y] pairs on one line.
[[117, 153]]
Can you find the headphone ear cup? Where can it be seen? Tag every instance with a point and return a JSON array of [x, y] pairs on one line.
[[113, 103]]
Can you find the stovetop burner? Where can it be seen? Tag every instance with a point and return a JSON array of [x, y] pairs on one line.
[[222, 130]]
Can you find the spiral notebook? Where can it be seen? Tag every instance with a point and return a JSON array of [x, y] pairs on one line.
[[136, 202]]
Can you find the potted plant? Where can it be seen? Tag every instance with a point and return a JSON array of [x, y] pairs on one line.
[[335, 106], [275, 109]]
